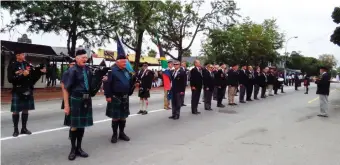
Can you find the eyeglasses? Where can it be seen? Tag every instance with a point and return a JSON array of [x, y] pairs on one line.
[[176, 64]]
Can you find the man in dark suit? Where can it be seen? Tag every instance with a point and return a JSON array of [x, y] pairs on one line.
[[263, 82], [323, 84], [177, 89], [196, 83], [184, 68], [208, 83], [251, 82], [216, 68], [296, 81], [221, 83], [232, 83], [243, 80], [257, 74]]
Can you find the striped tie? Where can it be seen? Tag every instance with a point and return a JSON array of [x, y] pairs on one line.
[[86, 82]]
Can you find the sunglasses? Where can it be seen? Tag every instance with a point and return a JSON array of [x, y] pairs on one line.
[[176, 64]]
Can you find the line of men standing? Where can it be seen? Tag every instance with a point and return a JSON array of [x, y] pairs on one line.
[[217, 80]]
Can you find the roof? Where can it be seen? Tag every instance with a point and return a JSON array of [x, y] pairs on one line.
[[108, 54], [27, 48], [98, 61], [60, 50]]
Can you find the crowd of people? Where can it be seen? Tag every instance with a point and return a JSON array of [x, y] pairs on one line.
[[79, 83]]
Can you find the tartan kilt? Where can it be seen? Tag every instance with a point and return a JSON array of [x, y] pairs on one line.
[[19, 104], [118, 108], [80, 116], [142, 93]]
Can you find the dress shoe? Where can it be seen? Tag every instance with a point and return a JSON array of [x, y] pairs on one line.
[[16, 132], [81, 153], [322, 115], [176, 117], [196, 113], [144, 112], [231, 104], [25, 131], [72, 154], [184, 105], [249, 100], [271, 95], [140, 112], [235, 104], [171, 117], [256, 99], [221, 106], [114, 138], [242, 102], [199, 103]]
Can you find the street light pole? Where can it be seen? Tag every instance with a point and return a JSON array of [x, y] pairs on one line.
[[286, 56]]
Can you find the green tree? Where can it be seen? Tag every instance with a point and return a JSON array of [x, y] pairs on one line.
[[91, 21], [136, 18], [152, 53], [177, 18], [328, 60], [187, 53], [335, 37]]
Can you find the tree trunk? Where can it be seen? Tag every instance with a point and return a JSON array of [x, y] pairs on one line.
[[138, 50], [180, 54]]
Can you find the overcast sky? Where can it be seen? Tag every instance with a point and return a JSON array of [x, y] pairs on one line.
[[310, 20]]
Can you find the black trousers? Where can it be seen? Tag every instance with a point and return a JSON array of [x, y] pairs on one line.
[[249, 90], [263, 91], [195, 98], [242, 92], [276, 88], [220, 94], [207, 99], [256, 90], [176, 102], [182, 98], [215, 93]]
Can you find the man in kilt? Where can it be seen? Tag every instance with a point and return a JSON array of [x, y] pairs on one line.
[[78, 103], [23, 76], [65, 76], [117, 89], [144, 81]]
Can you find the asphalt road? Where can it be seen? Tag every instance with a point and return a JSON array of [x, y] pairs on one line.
[[282, 129]]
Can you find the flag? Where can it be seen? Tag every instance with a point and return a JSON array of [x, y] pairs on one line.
[[121, 52], [164, 64]]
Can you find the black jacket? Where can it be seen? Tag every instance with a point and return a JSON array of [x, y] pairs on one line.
[[220, 78], [145, 78], [243, 78], [232, 78], [178, 81], [251, 77], [323, 84], [257, 77], [271, 79], [208, 80], [196, 78], [186, 71], [262, 80]]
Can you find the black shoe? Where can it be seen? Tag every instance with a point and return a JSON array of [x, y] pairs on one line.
[[171, 117], [176, 117], [221, 106], [234, 104], [140, 112], [231, 104], [25, 131], [242, 102], [283, 92], [122, 136], [196, 113], [249, 100], [236, 95], [114, 138], [256, 99], [208, 109], [72, 154], [199, 103], [185, 105], [271, 95], [81, 153], [144, 112], [16, 132]]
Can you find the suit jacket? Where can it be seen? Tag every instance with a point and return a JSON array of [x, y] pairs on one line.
[[243, 78], [145, 78], [196, 78], [178, 81], [186, 71], [323, 84], [221, 78], [271, 79], [208, 80], [232, 78], [257, 77], [251, 77], [262, 80]]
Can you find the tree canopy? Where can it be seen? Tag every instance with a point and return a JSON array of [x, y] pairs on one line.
[[152, 53], [91, 21], [246, 43], [335, 37]]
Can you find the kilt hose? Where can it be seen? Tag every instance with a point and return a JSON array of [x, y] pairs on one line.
[[118, 108], [142, 93], [19, 104], [80, 116]]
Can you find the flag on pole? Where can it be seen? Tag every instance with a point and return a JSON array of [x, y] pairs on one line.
[[121, 52], [164, 64]]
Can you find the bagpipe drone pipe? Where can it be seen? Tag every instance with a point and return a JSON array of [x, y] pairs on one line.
[[98, 72]]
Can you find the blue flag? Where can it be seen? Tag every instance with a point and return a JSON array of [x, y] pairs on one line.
[[121, 52]]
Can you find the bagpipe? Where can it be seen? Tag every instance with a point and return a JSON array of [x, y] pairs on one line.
[[98, 72]]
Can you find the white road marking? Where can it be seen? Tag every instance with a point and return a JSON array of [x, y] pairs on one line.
[[62, 128]]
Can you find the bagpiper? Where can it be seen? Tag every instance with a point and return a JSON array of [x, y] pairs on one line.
[[23, 76]]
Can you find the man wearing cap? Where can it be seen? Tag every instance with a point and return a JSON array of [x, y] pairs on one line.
[[167, 86], [177, 89], [232, 83], [184, 68], [323, 85], [144, 81], [221, 83], [78, 103], [196, 83], [23, 76], [118, 88], [243, 80]]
